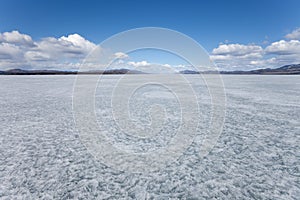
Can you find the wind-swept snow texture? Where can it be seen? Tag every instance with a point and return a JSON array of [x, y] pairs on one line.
[[257, 155]]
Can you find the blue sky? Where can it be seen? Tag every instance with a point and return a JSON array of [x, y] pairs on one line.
[[258, 23]]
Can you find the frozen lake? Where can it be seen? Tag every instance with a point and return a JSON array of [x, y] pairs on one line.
[[257, 156]]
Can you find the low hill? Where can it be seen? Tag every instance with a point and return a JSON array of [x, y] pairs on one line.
[[57, 72], [285, 70]]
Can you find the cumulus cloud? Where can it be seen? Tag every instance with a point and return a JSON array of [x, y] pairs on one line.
[[121, 55], [251, 56], [78, 42], [286, 52], [9, 51], [294, 35], [233, 56], [139, 64], [17, 38], [19, 50], [238, 50], [283, 47], [37, 56], [148, 67], [64, 47]]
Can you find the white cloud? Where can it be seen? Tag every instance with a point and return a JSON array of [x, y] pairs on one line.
[[77, 41], [36, 56], [65, 47], [283, 47], [19, 50], [286, 52], [9, 51], [121, 55], [148, 67], [17, 38], [67, 52], [238, 50], [294, 35], [237, 56], [248, 57], [139, 64]]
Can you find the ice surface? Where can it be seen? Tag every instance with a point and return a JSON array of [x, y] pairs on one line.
[[256, 157]]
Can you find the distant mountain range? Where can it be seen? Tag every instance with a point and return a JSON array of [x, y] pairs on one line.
[[57, 72], [285, 70]]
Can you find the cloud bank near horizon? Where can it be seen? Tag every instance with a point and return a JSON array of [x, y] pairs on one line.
[[18, 50], [252, 56]]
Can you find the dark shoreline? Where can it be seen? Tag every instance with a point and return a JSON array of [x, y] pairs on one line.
[[285, 70]]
